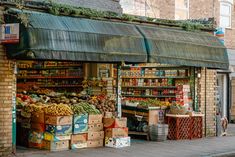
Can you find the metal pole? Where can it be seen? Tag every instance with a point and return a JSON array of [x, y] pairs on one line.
[[119, 82], [205, 102]]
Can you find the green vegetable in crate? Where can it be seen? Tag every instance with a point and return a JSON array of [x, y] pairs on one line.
[[84, 107]]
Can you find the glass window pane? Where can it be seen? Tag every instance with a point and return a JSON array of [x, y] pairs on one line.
[[224, 21], [225, 9], [181, 4]]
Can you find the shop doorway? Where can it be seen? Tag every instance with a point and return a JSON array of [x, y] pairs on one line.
[[222, 95]]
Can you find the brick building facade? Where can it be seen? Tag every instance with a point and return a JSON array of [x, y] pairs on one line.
[[8, 79], [200, 9], [7, 94]]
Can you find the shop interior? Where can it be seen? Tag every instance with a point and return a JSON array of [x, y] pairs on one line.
[[71, 105]]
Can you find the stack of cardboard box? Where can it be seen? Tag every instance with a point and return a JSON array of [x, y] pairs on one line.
[[58, 132], [95, 131], [109, 87], [116, 132], [80, 128]]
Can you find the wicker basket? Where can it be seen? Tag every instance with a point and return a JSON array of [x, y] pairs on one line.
[[176, 110]]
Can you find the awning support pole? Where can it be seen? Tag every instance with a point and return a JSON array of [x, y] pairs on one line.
[[118, 92]]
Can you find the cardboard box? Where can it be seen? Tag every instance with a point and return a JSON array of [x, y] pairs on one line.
[[38, 117], [50, 137], [38, 127], [58, 120], [79, 145], [79, 138], [94, 119], [80, 119], [56, 146], [96, 127], [80, 128], [35, 137], [108, 115], [119, 142], [96, 143], [115, 122], [116, 132], [95, 135], [59, 129]]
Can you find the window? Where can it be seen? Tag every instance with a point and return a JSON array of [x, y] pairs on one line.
[[181, 9], [147, 8], [225, 14]]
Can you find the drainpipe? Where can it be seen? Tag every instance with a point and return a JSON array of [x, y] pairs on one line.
[[205, 102], [229, 100], [146, 43]]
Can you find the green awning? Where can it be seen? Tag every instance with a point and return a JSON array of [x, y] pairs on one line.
[[51, 37], [179, 47]]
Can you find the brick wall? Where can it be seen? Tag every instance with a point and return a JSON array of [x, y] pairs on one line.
[[211, 8], [7, 91], [209, 90], [167, 9]]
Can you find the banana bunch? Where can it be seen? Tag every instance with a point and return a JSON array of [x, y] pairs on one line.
[[58, 110]]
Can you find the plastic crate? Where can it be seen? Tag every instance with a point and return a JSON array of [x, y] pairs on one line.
[[179, 128], [196, 127]]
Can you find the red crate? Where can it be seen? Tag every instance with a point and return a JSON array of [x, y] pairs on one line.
[[196, 127], [179, 128]]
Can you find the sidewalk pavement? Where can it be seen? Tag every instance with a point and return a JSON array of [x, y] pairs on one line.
[[206, 147]]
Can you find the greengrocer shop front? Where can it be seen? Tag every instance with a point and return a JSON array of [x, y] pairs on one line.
[[75, 75]]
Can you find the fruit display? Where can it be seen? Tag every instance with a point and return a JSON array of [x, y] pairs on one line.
[[83, 108], [58, 110], [103, 103], [145, 103]]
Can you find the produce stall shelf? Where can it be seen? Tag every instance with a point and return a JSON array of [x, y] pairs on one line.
[[140, 134], [158, 87], [144, 77], [49, 77], [146, 115], [151, 96]]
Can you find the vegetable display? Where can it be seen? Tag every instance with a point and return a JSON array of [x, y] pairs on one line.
[[83, 108], [103, 103]]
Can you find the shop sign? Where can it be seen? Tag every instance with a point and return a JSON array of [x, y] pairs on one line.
[[10, 33]]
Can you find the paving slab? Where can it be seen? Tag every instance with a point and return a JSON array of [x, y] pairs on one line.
[[206, 147]]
